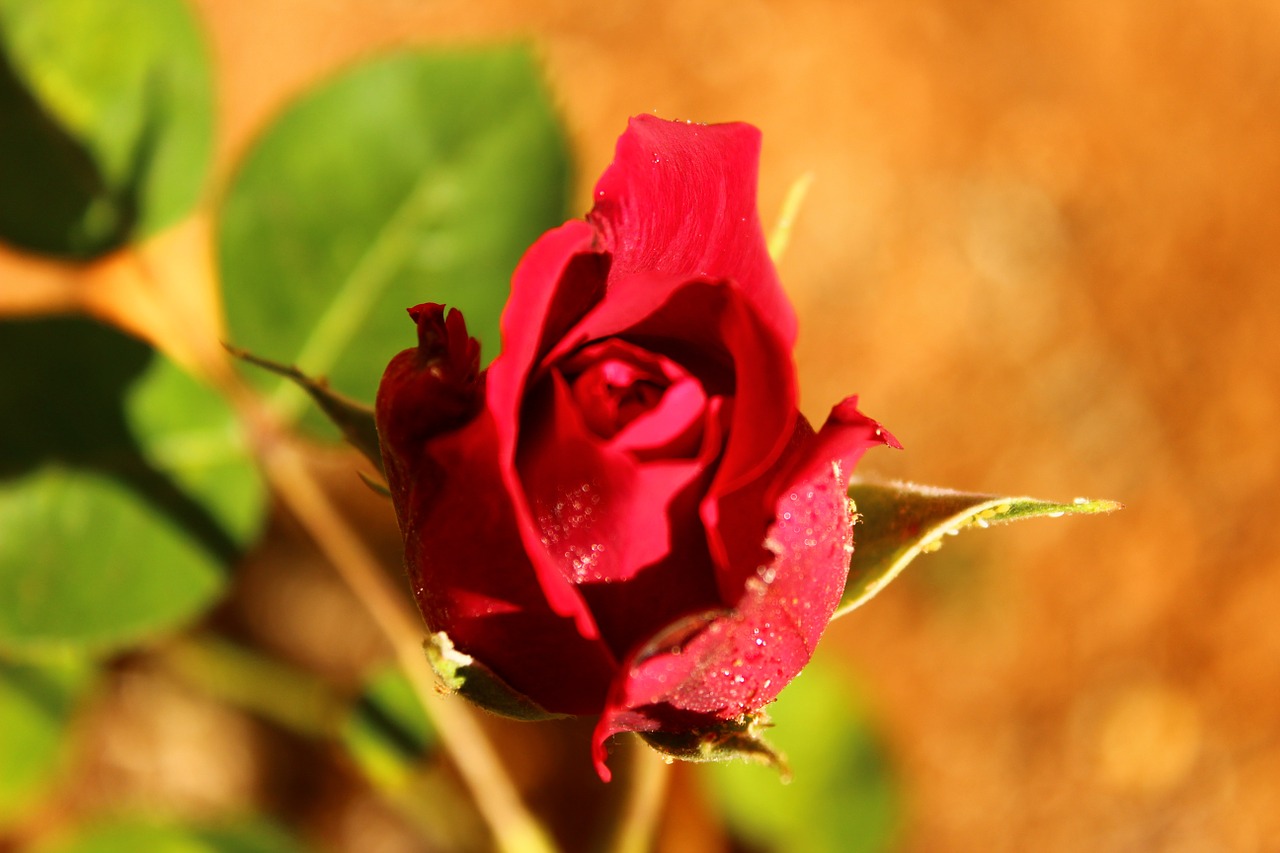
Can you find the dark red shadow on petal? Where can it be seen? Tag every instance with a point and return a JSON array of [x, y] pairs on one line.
[[473, 579]]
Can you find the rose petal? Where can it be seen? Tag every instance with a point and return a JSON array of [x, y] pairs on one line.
[[600, 514], [603, 518], [472, 578], [557, 280], [672, 429], [844, 437], [679, 200], [735, 662], [712, 331]]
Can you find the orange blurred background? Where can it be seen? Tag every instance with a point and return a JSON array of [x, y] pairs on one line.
[[1043, 244]]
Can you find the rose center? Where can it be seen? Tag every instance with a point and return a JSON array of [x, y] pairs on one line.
[[638, 401], [612, 393]]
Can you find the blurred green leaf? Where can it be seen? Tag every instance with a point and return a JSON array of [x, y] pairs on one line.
[[387, 732], [125, 490], [901, 521], [106, 121], [843, 796], [245, 836], [413, 178], [36, 704], [241, 676]]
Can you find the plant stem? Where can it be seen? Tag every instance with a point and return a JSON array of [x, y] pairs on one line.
[[638, 823], [515, 829], [150, 300]]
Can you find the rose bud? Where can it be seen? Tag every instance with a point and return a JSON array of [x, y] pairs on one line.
[[626, 514]]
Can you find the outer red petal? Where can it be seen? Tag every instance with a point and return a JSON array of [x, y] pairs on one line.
[[558, 280], [679, 200], [474, 580], [464, 553], [726, 664], [737, 661]]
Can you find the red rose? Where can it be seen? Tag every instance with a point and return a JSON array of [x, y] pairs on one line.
[[626, 515]]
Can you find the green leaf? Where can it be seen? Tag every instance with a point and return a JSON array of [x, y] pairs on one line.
[[36, 704], [387, 731], [108, 107], [420, 177], [842, 795], [243, 836], [901, 521], [126, 491]]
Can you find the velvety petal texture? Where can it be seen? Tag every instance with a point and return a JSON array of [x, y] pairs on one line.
[[626, 515]]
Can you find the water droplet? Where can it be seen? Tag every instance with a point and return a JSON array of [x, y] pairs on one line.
[[1054, 515], [1079, 501]]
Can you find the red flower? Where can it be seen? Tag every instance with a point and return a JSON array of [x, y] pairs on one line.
[[626, 515]]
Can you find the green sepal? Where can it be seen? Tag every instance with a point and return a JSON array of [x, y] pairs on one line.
[[462, 674], [900, 521], [354, 419], [733, 740]]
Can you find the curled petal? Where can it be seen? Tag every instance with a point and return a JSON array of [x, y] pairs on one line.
[[844, 437], [679, 200], [722, 665]]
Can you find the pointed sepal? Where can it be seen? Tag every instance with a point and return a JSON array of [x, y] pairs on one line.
[[733, 740], [354, 419], [900, 521]]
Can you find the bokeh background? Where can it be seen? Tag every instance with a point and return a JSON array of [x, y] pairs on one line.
[[1043, 244]]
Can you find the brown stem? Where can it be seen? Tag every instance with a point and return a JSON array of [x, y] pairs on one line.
[[164, 312], [638, 822], [514, 828]]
